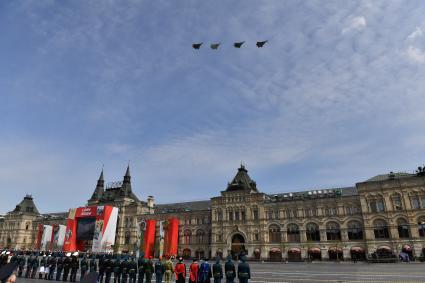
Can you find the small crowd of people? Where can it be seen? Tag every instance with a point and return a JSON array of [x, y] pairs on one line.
[[61, 266]]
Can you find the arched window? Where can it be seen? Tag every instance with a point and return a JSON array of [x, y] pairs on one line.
[[187, 235], [396, 199], [421, 226], [127, 238], [333, 232], [274, 234], [293, 233], [200, 236], [219, 215], [355, 230], [312, 232], [403, 228], [380, 229]]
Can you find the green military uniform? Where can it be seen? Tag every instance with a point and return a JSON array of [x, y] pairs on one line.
[[169, 271]]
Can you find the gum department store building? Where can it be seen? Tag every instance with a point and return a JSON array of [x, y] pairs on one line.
[[383, 214]]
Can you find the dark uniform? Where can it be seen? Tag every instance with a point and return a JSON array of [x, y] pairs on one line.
[[74, 268], [29, 267], [117, 270], [52, 267], [92, 264], [34, 266], [21, 264], [43, 263], [244, 272], [59, 268], [66, 267], [230, 270], [217, 271], [141, 266], [108, 266], [132, 270], [148, 269], [124, 270], [159, 271], [84, 267], [102, 266]]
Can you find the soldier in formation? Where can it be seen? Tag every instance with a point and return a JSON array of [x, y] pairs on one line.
[[159, 270], [117, 270], [59, 267], [169, 270], [84, 266], [244, 272], [194, 272], [140, 266], [217, 271], [205, 273], [180, 271], [230, 270], [132, 270]]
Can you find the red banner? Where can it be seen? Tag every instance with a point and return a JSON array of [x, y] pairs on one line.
[[172, 236], [39, 236], [150, 238]]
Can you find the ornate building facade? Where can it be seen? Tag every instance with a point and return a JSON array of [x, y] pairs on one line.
[[384, 214]]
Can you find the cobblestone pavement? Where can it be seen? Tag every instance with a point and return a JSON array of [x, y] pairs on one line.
[[326, 272]]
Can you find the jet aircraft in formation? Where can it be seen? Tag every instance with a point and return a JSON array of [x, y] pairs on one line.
[[215, 46]]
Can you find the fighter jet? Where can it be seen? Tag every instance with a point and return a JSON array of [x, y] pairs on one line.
[[238, 44], [215, 46], [261, 43], [197, 45]]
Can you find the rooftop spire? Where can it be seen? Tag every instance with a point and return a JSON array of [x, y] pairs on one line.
[[101, 175]]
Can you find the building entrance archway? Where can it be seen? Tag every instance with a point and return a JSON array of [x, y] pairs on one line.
[[238, 245]]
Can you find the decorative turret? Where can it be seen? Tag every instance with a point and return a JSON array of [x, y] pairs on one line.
[[242, 181], [100, 188], [126, 184]]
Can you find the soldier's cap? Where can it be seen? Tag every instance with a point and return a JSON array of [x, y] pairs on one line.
[[229, 258], [8, 253], [68, 254], [6, 271], [180, 259], [92, 277], [75, 254]]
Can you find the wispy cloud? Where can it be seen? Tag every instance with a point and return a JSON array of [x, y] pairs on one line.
[[415, 34], [354, 23], [415, 54]]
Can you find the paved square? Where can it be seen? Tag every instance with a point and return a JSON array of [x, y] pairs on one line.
[[326, 272]]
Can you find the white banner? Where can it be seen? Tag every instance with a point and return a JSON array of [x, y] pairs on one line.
[[46, 238], [61, 237]]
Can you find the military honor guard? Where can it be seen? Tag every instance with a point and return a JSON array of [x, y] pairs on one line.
[[117, 270], [148, 269], [180, 271], [66, 266], [124, 270], [84, 265], [108, 266], [244, 272], [159, 270], [230, 270], [169, 270], [194, 271], [132, 270], [141, 267], [59, 267], [217, 271], [205, 273]]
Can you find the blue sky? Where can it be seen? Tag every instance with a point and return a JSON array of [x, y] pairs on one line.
[[335, 97]]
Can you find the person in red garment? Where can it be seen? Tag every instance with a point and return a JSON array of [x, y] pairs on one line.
[[193, 271], [180, 271]]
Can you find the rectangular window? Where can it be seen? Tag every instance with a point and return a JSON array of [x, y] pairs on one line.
[[237, 215], [415, 202], [255, 214], [423, 201], [243, 215], [231, 215], [373, 206], [397, 203]]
